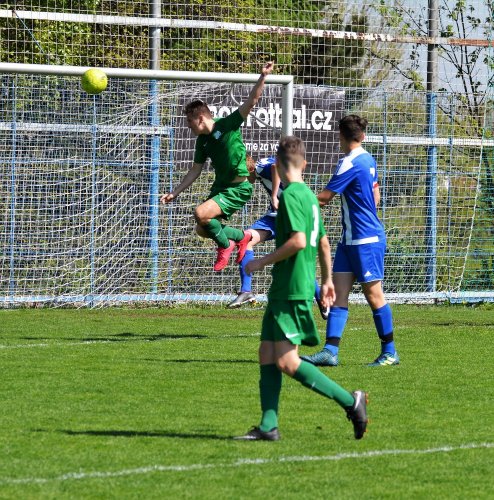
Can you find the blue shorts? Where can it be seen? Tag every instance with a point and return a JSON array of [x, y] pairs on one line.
[[265, 223], [366, 261]]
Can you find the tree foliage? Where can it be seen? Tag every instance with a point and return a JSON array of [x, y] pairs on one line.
[[469, 70], [315, 60]]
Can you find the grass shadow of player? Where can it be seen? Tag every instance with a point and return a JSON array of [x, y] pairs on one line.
[[136, 434], [137, 337], [187, 361]]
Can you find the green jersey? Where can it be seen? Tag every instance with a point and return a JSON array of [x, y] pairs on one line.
[[226, 148], [298, 211]]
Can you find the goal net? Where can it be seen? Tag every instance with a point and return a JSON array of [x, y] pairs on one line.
[[81, 177]]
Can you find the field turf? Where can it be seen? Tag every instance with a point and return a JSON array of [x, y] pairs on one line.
[[142, 403]]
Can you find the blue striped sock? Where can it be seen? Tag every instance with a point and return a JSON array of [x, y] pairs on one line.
[[383, 319], [246, 279], [334, 329]]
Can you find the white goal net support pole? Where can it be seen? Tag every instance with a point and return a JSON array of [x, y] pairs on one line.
[[147, 74]]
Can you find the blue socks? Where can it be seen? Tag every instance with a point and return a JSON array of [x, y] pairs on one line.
[[383, 319], [334, 329], [317, 294], [246, 279]]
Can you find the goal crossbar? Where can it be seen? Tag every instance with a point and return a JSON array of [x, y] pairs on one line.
[[149, 74]]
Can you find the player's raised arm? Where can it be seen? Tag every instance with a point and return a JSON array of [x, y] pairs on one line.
[[256, 91], [189, 178], [276, 181], [251, 168]]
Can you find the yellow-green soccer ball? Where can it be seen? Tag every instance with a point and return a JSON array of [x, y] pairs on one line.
[[94, 81]]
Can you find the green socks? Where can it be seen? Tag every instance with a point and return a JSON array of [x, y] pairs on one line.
[[270, 388], [232, 233], [309, 376], [221, 234], [214, 230]]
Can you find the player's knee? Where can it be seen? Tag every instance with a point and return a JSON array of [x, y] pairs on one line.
[[286, 366], [375, 297], [201, 217]]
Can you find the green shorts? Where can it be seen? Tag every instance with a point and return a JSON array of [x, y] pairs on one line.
[[290, 320], [232, 197]]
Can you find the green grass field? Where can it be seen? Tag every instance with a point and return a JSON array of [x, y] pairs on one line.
[[128, 403]]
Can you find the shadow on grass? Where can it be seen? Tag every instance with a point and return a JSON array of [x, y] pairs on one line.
[[184, 361], [461, 323], [133, 434], [129, 337]]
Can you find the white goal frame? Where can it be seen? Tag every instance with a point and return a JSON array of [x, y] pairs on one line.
[[148, 74], [287, 83]]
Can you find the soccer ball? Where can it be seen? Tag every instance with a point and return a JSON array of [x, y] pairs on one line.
[[94, 81]]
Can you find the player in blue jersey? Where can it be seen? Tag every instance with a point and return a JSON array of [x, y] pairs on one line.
[[360, 252], [263, 229]]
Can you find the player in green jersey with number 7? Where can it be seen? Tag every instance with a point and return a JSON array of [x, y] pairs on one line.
[[221, 141], [288, 321]]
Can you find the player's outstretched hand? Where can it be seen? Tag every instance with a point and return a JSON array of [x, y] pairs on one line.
[[254, 265], [328, 294], [268, 67], [167, 198]]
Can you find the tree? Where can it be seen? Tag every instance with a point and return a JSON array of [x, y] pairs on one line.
[[343, 63], [468, 76], [465, 74]]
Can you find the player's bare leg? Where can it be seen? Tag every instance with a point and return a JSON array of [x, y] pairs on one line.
[[374, 294], [207, 211], [343, 283]]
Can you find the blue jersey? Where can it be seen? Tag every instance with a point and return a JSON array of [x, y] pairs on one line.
[[264, 169], [355, 179]]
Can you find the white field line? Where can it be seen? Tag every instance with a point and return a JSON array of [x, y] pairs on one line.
[[117, 341], [69, 476]]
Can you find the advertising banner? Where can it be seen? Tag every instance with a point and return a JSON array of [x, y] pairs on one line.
[[316, 112]]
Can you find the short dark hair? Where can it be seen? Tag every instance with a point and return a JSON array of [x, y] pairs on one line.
[[197, 107], [291, 150], [352, 127]]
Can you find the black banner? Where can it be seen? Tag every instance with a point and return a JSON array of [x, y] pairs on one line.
[[316, 112]]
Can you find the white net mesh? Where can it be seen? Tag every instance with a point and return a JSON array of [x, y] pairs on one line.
[[80, 204], [357, 44]]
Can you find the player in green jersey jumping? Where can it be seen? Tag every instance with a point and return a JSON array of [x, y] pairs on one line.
[[221, 140], [288, 321]]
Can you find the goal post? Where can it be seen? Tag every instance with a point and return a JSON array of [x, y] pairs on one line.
[[114, 133]]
